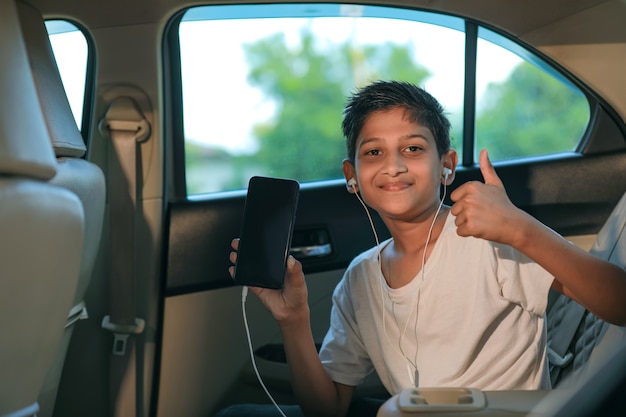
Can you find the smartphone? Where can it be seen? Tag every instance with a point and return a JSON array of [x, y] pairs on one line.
[[266, 232]]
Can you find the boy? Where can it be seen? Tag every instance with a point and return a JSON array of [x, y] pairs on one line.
[[457, 296]]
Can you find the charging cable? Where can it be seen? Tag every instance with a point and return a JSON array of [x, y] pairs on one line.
[[244, 296]]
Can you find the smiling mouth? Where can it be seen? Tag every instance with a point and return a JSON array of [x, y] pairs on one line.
[[396, 186]]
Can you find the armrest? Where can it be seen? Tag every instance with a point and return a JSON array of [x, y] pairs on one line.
[[456, 402]]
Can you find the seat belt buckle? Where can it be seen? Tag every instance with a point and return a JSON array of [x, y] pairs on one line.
[[557, 360], [120, 341], [121, 332]]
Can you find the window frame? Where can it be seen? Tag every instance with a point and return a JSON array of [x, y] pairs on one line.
[[471, 29]]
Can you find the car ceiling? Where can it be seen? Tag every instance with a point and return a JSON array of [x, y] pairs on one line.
[[519, 18]]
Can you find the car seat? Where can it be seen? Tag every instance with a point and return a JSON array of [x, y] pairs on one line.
[[582, 337], [41, 233], [74, 173], [599, 393]]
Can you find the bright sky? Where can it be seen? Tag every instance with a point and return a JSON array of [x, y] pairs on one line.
[[70, 52]]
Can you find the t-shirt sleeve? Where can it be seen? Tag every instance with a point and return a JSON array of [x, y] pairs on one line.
[[523, 281], [343, 353]]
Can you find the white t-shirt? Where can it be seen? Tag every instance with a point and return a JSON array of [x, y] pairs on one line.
[[475, 320]]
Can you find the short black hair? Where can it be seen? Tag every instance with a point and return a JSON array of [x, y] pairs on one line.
[[421, 107]]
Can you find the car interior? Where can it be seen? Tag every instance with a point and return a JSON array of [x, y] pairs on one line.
[[42, 231], [83, 178], [129, 132]]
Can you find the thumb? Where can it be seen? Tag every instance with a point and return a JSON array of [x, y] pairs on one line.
[[291, 262], [488, 171], [294, 268]]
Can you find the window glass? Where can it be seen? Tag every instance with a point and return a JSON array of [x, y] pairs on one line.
[[70, 52], [524, 107], [264, 86]]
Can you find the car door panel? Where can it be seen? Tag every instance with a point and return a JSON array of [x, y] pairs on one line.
[[200, 233]]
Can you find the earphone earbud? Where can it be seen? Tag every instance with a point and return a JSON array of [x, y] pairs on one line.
[[351, 185], [446, 172]]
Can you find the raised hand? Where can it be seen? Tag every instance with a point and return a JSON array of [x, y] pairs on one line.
[[484, 210]]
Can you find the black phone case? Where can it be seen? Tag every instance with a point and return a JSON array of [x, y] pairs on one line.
[[266, 233]]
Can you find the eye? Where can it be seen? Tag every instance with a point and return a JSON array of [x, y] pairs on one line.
[[372, 152], [413, 149]]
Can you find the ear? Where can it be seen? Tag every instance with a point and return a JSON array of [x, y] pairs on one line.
[[449, 160], [349, 172]]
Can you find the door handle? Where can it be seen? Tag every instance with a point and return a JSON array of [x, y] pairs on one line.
[[311, 251], [311, 242]]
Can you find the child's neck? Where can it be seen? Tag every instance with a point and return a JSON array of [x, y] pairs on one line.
[[402, 257], [410, 237]]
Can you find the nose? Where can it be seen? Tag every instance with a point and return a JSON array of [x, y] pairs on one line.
[[395, 164]]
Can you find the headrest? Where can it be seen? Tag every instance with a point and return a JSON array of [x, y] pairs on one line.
[[24, 142], [65, 136]]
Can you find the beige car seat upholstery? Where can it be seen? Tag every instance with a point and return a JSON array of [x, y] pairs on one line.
[[41, 233], [593, 382], [593, 338], [80, 176], [600, 393]]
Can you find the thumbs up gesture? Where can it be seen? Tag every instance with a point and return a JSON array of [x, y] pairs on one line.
[[483, 210]]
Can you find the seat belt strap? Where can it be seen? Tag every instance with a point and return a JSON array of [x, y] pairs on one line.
[[562, 337], [126, 127]]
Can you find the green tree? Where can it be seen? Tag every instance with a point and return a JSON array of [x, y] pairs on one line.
[[309, 85], [530, 113]]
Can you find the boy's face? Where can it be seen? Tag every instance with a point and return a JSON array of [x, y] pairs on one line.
[[397, 166]]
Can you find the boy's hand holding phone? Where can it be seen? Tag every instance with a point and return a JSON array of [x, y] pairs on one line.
[[287, 304], [261, 258], [266, 232]]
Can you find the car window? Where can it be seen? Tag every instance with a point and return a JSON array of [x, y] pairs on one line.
[[526, 108], [263, 95], [69, 46], [263, 87]]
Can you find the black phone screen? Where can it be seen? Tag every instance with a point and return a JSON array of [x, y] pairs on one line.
[[267, 229]]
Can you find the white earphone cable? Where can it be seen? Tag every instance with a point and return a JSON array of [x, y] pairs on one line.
[[430, 231], [244, 295], [382, 290]]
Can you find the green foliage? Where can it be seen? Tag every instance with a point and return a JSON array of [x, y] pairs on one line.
[[530, 113], [310, 85]]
